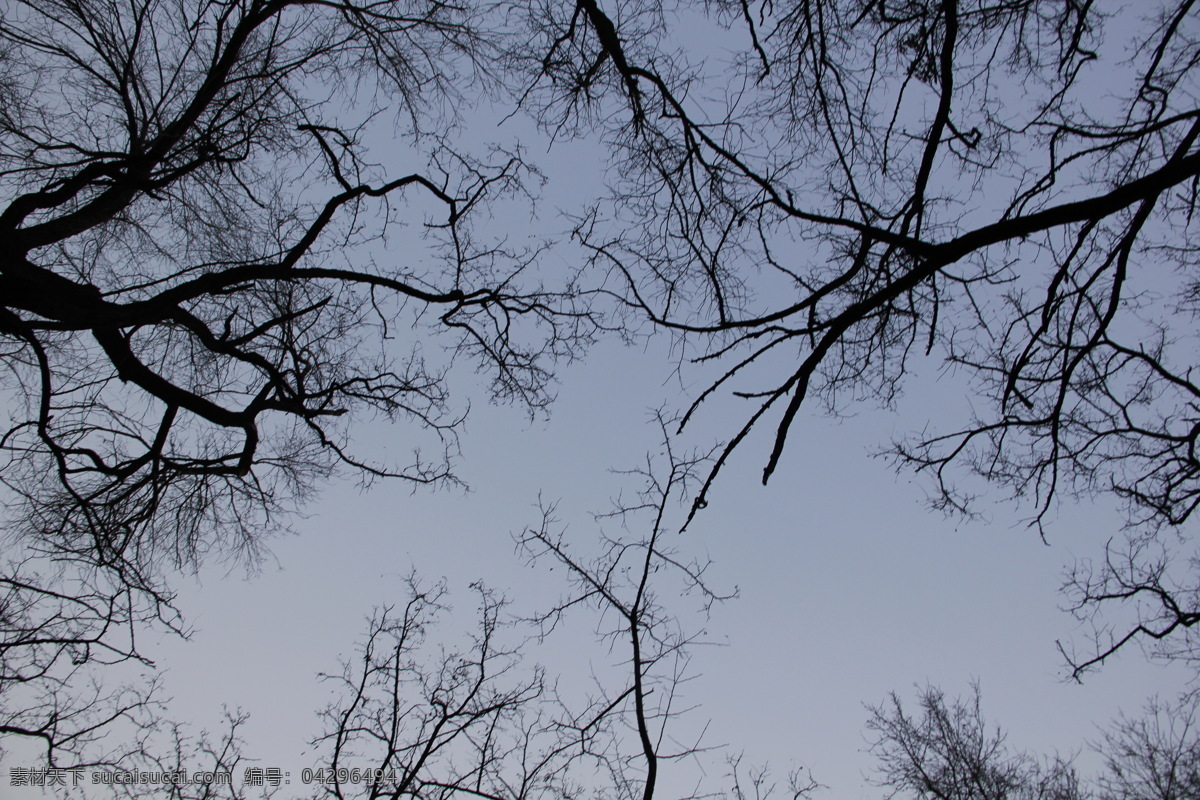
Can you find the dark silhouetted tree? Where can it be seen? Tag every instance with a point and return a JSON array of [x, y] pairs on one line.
[[193, 303], [1006, 190], [482, 720], [949, 752], [422, 710], [207, 276], [1153, 757]]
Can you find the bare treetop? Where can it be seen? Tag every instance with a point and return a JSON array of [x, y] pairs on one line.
[[193, 304], [211, 268]]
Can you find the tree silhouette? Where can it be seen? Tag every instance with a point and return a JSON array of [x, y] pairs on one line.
[[207, 276], [483, 720], [424, 710], [951, 752], [190, 309], [1007, 190]]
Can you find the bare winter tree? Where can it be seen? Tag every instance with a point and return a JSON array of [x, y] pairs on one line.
[[625, 724], [1155, 756], [482, 721], [207, 275], [185, 767], [1007, 190], [415, 719], [192, 309], [950, 752]]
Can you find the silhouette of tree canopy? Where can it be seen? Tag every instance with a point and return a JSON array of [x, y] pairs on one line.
[[950, 752], [1003, 190], [191, 309], [210, 271]]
